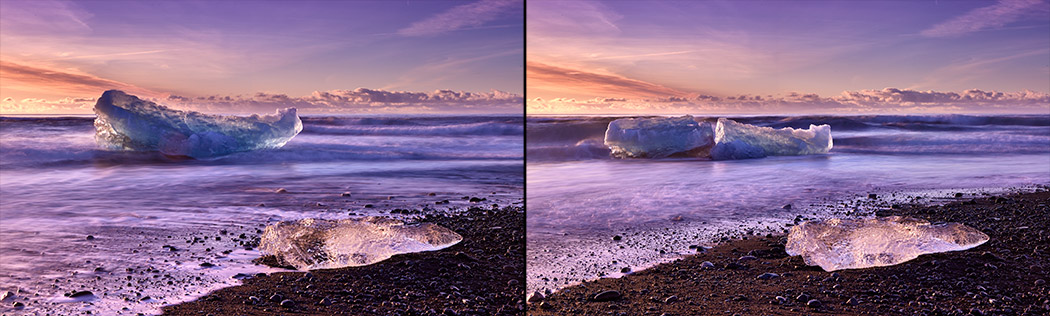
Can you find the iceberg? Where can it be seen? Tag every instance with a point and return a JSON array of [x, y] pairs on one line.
[[838, 244], [125, 122], [723, 140], [658, 137], [309, 244], [735, 140]]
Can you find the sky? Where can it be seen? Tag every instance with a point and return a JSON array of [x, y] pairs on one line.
[[256, 56], [787, 57]]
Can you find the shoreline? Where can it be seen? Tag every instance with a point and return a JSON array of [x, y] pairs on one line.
[[1000, 277], [477, 276]]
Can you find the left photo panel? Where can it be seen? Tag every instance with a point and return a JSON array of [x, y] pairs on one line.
[[262, 158]]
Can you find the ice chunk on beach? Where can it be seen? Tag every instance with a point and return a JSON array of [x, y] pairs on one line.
[[324, 244], [837, 244], [735, 140], [125, 122], [658, 137]]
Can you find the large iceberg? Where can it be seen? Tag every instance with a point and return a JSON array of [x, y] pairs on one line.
[[837, 244], [658, 137], [724, 139], [125, 122], [324, 244], [735, 140]]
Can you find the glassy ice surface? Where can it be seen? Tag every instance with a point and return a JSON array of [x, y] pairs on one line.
[[735, 140], [724, 139], [837, 244], [657, 137], [125, 122], [309, 244]]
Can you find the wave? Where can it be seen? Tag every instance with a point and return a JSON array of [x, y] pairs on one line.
[[473, 129]]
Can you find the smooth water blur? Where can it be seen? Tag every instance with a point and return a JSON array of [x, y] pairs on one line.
[[57, 188], [579, 197]]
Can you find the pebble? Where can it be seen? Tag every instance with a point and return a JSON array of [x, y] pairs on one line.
[[89, 237], [748, 258], [787, 207], [781, 300], [626, 270], [852, 302], [276, 297], [671, 299], [707, 265], [81, 294], [605, 296], [287, 303], [536, 297], [18, 305], [346, 194], [873, 196], [1040, 282], [768, 275], [802, 297], [617, 238], [6, 295], [281, 190], [814, 303]]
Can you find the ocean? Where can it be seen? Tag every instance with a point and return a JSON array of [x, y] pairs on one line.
[[154, 221], [580, 199]]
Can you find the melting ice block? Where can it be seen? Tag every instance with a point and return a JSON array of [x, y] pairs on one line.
[[658, 137], [735, 140], [125, 122], [324, 244], [837, 244]]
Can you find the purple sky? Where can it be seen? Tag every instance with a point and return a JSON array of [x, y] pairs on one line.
[[250, 56], [754, 56]]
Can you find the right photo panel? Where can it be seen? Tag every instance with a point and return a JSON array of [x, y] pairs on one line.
[[788, 157]]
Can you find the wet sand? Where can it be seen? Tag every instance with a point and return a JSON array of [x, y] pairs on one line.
[[1005, 276], [482, 275]]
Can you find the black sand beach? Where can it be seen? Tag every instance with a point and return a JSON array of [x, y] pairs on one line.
[[1006, 276], [482, 275]]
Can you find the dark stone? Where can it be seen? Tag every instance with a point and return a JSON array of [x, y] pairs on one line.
[[802, 297], [287, 303], [606, 296], [207, 265], [671, 299], [768, 275], [89, 237], [787, 207], [81, 294], [625, 270], [873, 196], [276, 297], [617, 238], [536, 297], [814, 303]]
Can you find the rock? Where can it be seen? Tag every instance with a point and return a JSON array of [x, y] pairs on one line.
[[814, 303], [852, 302], [276, 297], [606, 296], [287, 303], [281, 190], [1040, 282], [89, 237], [254, 300], [207, 265], [707, 265], [873, 196], [787, 207], [958, 195], [536, 297], [768, 275], [18, 305], [346, 194], [7, 295], [625, 270], [617, 238], [432, 194], [781, 300], [671, 299], [81, 294], [748, 258], [325, 302], [802, 297]]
